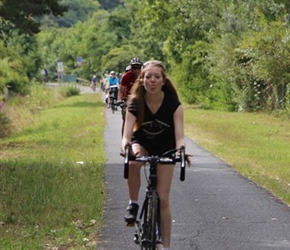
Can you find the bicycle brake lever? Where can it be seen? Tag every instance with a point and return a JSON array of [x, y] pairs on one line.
[[126, 161], [182, 163]]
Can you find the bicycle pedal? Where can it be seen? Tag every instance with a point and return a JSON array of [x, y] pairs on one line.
[[136, 239]]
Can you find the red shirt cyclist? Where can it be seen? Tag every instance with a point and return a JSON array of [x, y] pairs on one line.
[[127, 82], [129, 78]]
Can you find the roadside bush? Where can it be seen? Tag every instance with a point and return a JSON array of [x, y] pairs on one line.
[[20, 110], [38, 98], [5, 125], [70, 90], [13, 73]]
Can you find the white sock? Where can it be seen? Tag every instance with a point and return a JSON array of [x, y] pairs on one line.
[[133, 202]]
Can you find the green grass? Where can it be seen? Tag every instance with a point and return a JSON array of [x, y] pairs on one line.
[[257, 145], [52, 188]]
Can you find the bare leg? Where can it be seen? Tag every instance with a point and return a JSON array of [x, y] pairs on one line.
[[164, 175], [133, 180], [133, 183]]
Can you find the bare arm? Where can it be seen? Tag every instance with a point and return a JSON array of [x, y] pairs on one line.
[[128, 128], [178, 125], [121, 92], [179, 131], [107, 88]]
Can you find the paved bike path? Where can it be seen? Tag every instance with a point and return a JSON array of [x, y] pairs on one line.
[[214, 209]]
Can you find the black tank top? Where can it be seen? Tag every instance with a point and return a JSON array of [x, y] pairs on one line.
[[156, 133]]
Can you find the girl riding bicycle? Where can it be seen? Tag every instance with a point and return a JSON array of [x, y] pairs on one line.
[[153, 125]]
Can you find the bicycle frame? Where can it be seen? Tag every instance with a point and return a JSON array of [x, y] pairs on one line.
[[148, 231]]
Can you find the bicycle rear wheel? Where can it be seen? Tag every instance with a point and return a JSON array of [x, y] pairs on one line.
[[149, 241]]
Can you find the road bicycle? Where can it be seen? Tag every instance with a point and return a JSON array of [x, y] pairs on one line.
[[148, 231], [113, 99]]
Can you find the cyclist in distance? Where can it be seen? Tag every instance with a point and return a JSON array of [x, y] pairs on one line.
[[153, 125], [94, 82], [112, 86], [127, 82]]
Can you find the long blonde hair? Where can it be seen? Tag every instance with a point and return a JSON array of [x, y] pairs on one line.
[[138, 91]]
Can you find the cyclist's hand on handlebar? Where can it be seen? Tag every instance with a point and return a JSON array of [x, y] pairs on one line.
[[120, 102], [187, 157], [131, 154], [122, 153], [188, 160]]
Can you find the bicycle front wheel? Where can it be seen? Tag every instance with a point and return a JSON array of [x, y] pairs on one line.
[[151, 222], [113, 105]]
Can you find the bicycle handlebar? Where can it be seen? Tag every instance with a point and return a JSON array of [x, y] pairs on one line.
[[121, 103], [157, 159]]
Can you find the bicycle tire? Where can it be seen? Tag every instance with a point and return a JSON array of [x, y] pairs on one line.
[[113, 105], [150, 223]]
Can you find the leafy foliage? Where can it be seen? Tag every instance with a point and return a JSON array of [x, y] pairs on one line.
[[77, 11], [70, 90], [109, 4], [13, 70], [21, 14], [230, 55], [5, 125]]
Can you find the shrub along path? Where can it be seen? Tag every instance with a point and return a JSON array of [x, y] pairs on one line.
[[214, 209]]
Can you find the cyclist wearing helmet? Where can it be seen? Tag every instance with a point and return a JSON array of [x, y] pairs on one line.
[[127, 82], [128, 68], [129, 78], [112, 86]]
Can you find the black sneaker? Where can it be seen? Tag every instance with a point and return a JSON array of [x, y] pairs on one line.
[[131, 213]]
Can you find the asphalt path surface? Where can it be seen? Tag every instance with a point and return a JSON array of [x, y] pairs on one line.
[[215, 208]]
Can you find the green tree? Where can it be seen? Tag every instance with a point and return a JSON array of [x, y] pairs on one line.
[[151, 18], [104, 41], [21, 14], [109, 4], [77, 11], [246, 57], [13, 70]]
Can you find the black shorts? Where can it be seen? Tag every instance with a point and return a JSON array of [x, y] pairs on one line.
[[153, 148]]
